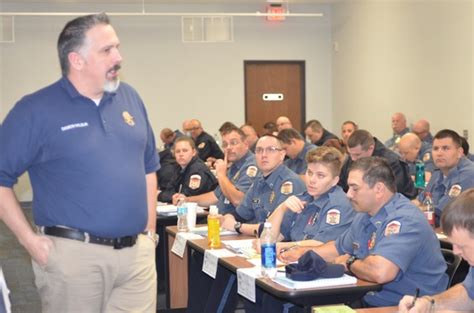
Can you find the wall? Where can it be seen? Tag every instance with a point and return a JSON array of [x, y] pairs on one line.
[[408, 56], [179, 80]]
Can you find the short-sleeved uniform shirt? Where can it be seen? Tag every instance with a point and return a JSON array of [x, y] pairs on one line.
[[395, 139], [298, 164], [424, 155], [86, 162], [400, 233], [324, 218], [468, 283], [266, 193], [241, 173], [207, 147], [443, 189]]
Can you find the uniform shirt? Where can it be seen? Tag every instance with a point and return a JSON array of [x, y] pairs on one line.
[[323, 219], [424, 155], [325, 137], [443, 189], [168, 169], [469, 283], [400, 233], [193, 180], [86, 162], [266, 193], [400, 169], [241, 173], [428, 139], [298, 164], [170, 145], [470, 157], [392, 143], [207, 147]]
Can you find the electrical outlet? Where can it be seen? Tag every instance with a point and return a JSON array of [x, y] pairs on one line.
[[465, 134]]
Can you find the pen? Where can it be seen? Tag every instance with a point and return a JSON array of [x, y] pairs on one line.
[[417, 293], [288, 249]]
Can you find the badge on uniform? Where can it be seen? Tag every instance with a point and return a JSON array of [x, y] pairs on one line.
[[128, 118], [426, 157], [286, 188], [195, 181], [202, 145], [272, 197], [371, 243], [393, 228], [455, 191], [333, 217], [252, 171]]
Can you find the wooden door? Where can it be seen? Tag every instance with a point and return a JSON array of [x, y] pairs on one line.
[[273, 89]]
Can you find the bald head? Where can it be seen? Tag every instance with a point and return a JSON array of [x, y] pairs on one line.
[[422, 129], [409, 147], [399, 122], [283, 122]]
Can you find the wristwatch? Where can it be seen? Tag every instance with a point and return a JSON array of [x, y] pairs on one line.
[[237, 226], [351, 260], [152, 235]]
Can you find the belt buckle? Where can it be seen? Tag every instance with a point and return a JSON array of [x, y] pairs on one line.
[[118, 244]]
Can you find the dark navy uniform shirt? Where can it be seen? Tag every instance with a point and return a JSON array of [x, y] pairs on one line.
[[298, 164], [241, 173], [193, 180], [323, 219], [86, 162], [400, 233], [207, 147], [325, 137], [266, 193]]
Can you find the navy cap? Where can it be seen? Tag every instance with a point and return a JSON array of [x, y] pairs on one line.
[[312, 266]]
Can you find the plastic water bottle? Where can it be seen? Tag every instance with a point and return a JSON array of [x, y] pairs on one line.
[[213, 228], [268, 249], [428, 209], [182, 216], [419, 174]]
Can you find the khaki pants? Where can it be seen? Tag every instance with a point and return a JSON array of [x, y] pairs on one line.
[[82, 277]]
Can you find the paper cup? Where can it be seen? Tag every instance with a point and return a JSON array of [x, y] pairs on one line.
[[192, 207]]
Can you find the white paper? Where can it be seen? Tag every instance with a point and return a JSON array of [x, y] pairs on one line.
[[179, 244], [246, 282], [202, 230], [211, 259], [243, 247], [170, 210], [322, 282], [5, 292]]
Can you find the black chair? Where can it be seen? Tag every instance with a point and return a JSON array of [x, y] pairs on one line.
[[452, 261]]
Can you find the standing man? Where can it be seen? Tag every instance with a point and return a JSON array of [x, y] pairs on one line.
[[399, 127], [453, 174], [90, 153], [390, 242], [206, 146], [458, 224]]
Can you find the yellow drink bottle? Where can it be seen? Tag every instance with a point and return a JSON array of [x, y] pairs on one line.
[[213, 228]]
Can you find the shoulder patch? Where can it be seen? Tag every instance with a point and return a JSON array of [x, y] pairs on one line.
[[393, 228], [455, 191], [286, 188], [333, 217], [201, 145], [195, 181], [426, 157], [252, 171]]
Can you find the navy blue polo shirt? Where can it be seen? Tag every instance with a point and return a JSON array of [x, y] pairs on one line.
[[87, 163]]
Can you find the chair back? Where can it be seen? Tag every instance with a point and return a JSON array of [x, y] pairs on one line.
[[452, 261]]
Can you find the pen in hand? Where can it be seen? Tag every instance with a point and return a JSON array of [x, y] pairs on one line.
[[417, 293]]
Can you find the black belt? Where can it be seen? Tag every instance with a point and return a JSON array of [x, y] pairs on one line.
[[117, 243]]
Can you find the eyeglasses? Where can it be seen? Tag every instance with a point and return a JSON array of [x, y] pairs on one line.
[[232, 143], [268, 150]]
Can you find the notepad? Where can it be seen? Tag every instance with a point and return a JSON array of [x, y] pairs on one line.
[[243, 247], [333, 309], [202, 230], [322, 282]]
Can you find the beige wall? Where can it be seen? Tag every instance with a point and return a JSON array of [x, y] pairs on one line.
[[408, 56]]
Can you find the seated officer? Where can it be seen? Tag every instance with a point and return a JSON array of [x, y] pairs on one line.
[[295, 148], [207, 147], [390, 243], [422, 129], [251, 136], [234, 181], [168, 137], [194, 178], [458, 224], [347, 128], [454, 172], [413, 150], [361, 144], [465, 149], [399, 127], [316, 133], [274, 186], [283, 122]]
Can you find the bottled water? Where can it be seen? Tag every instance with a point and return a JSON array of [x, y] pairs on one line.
[[182, 216], [268, 249], [420, 174], [428, 209]]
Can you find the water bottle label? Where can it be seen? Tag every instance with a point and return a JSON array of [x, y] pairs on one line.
[[269, 255], [182, 210]]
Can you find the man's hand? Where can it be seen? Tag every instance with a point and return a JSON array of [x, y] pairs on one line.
[[294, 204], [291, 254], [342, 259], [227, 221], [39, 247], [221, 166], [177, 197], [422, 305]]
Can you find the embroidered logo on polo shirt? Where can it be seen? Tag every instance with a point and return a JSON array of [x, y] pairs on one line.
[[455, 191], [393, 228], [75, 125], [333, 217], [128, 118]]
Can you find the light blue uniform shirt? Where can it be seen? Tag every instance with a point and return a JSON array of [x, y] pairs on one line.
[[298, 164], [241, 173], [469, 283], [400, 233], [325, 218]]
